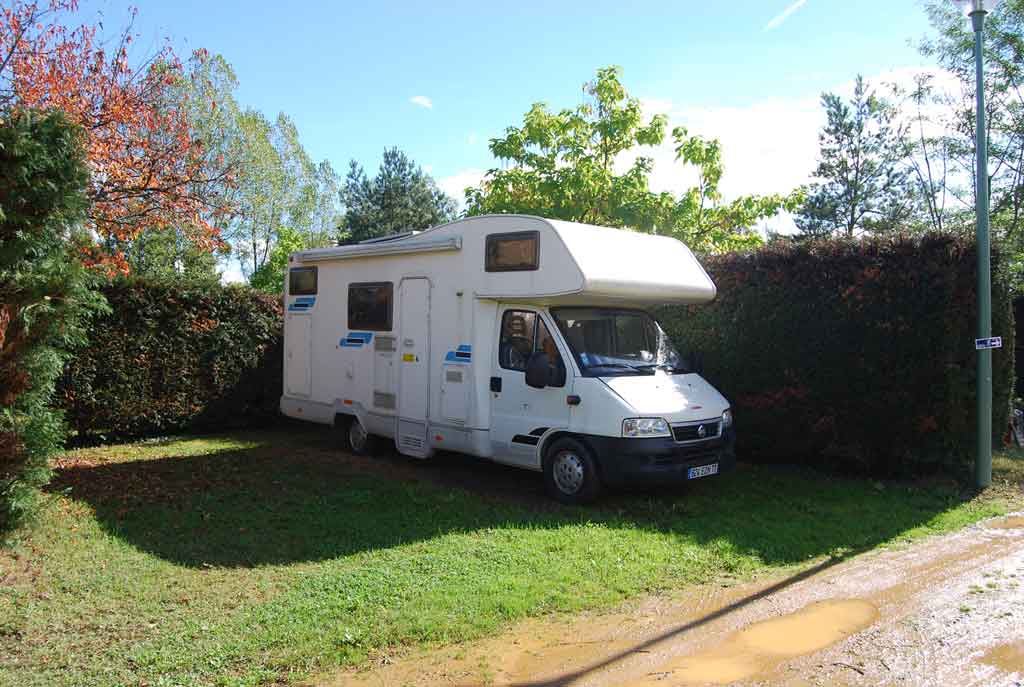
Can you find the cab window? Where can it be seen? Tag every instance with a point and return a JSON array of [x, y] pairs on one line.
[[517, 334], [523, 333]]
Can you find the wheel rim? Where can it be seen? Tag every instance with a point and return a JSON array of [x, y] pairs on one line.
[[356, 435], [568, 472]]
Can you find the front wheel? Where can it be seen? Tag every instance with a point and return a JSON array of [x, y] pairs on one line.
[[570, 472]]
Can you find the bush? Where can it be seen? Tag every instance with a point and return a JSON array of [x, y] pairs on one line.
[[852, 353], [45, 294], [172, 357]]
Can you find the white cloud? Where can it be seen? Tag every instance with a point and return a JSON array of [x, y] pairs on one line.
[[472, 138], [455, 185], [422, 101], [782, 16]]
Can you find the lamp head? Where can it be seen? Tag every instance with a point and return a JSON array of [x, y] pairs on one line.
[[970, 7]]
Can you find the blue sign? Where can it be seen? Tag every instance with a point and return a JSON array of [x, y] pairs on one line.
[[991, 342]]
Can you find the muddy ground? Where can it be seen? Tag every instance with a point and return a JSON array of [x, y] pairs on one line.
[[945, 611]]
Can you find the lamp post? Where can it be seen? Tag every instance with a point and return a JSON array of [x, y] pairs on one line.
[[977, 9]]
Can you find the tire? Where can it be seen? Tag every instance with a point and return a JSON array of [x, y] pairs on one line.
[[570, 472], [356, 440]]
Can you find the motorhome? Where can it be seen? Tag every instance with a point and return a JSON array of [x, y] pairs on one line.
[[517, 339]]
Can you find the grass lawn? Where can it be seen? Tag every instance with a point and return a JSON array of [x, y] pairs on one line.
[[264, 557]]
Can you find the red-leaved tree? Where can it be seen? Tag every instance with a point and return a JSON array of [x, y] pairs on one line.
[[149, 168]]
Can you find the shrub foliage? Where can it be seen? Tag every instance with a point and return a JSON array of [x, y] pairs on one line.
[[856, 353], [44, 294], [173, 356]]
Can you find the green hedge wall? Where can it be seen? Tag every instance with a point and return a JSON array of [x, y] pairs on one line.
[[857, 354], [171, 357]]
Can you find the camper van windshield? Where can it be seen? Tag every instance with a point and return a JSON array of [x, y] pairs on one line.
[[609, 342]]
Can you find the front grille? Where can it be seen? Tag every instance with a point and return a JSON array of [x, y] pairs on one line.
[[688, 457], [692, 432]]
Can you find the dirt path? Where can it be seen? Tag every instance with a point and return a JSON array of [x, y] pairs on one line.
[[949, 610]]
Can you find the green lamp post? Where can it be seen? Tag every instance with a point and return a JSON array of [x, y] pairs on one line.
[[976, 10]]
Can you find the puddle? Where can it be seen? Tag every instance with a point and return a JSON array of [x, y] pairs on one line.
[[1008, 657], [1015, 522], [759, 647]]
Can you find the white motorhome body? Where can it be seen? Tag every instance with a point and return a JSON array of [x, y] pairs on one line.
[[425, 338]]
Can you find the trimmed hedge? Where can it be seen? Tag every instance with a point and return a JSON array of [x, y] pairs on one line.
[[854, 354], [172, 357]]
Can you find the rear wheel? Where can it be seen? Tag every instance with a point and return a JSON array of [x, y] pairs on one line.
[[570, 472], [358, 440]]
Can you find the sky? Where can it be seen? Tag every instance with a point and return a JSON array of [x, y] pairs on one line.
[[439, 79]]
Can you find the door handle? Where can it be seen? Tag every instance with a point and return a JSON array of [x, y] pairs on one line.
[[496, 384]]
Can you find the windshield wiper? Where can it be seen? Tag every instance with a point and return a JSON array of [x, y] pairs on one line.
[[643, 369], [668, 368]]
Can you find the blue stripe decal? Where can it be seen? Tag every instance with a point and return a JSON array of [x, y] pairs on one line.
[[356, 339], [462, 354], [302, 304]]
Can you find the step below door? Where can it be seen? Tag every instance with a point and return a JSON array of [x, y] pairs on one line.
[[414, 367]]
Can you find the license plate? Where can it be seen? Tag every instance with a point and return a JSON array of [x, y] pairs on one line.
[[702, 471]]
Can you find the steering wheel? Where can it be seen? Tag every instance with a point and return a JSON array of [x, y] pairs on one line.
[[515, 351]]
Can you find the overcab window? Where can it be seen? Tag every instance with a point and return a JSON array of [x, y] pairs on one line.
[[514, 252], [302, 281], [370, 305]]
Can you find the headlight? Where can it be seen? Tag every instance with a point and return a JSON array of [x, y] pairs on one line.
[[727, 419], [645, 427]]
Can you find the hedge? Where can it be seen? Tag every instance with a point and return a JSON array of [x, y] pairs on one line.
[[852, 353], [172, 357]]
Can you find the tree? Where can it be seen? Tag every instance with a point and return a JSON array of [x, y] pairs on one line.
[[269, 278], [45, 292], [862, 184], [277, 186], [927, 153], [168, 255], [563, 164], [149, 169], [401, 197], [700, 218], [952, 46], [566, 165]]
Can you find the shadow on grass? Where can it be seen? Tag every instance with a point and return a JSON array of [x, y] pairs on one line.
[[296, 498]]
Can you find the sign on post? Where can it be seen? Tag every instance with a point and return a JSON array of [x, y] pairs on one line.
[[991, 342]]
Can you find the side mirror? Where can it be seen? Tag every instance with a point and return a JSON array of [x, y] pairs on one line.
[[537, 370]]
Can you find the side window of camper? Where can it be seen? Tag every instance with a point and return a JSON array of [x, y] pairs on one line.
[[513, 252], [370, 306], [302, 281], [517, 334]]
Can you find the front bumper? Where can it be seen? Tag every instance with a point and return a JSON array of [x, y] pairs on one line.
[[659, 461]]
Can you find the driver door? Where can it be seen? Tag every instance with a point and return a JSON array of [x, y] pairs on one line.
[[520, 414]]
